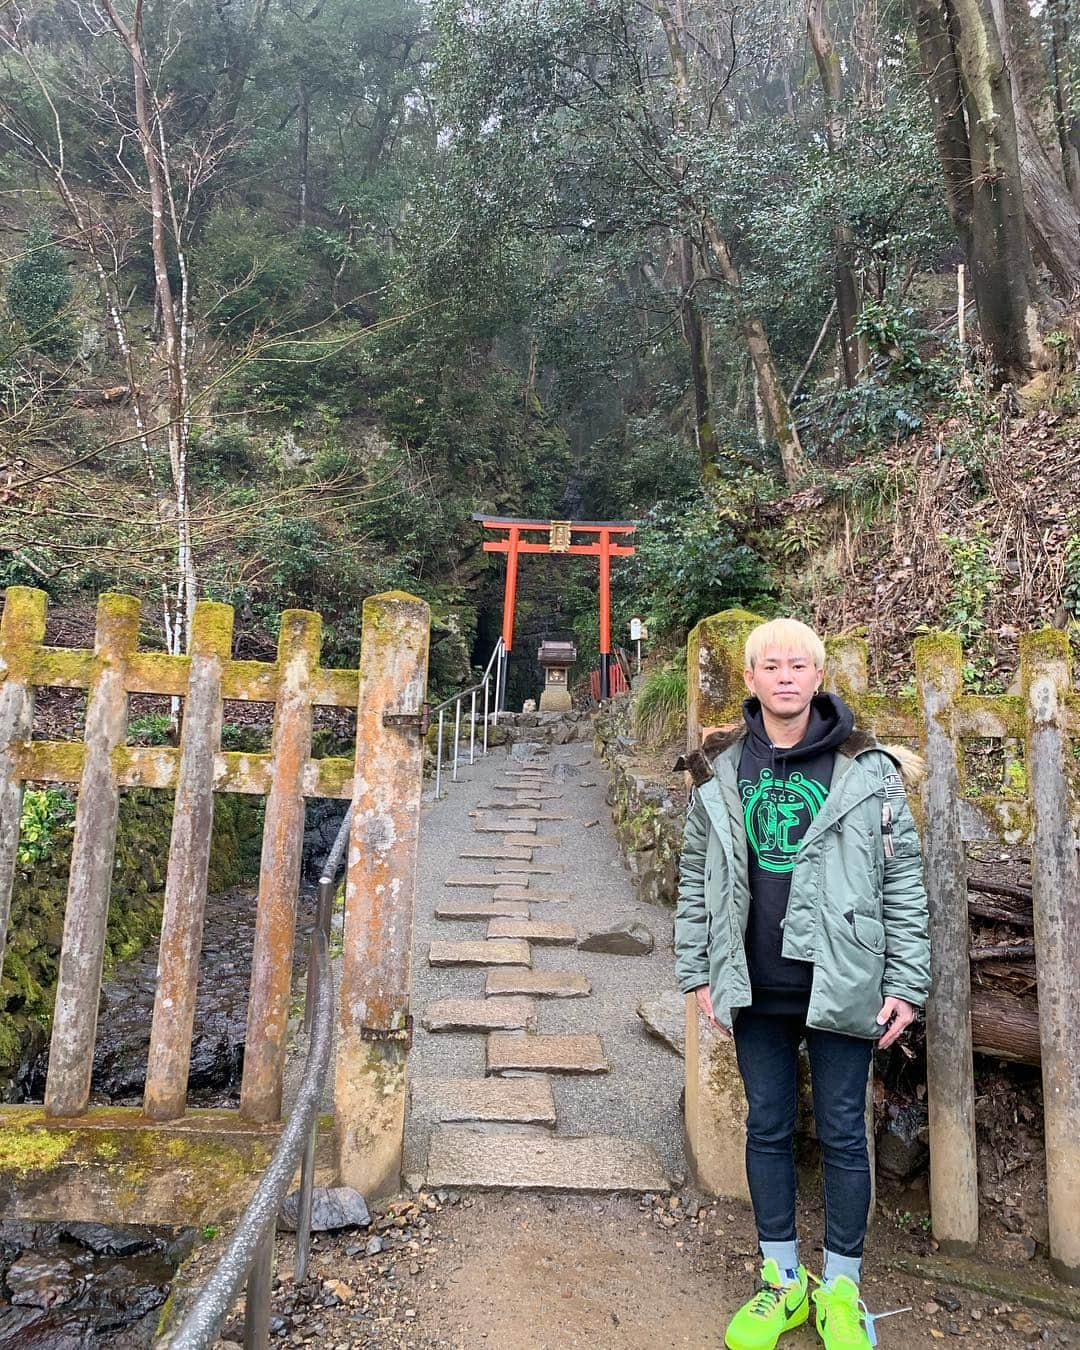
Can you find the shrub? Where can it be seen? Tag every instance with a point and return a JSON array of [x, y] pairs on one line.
[[660, 705], [43, 812], [38, 293], [247, 271]]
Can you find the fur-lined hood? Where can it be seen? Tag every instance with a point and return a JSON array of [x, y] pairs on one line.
[[698, 763]]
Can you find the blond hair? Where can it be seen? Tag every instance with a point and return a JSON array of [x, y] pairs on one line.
[[788, 636]]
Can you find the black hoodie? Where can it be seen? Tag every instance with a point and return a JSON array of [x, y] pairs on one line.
[[782, 788]]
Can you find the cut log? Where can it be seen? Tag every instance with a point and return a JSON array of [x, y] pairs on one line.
[[1012, 904], [1004, 1026], [1013, 951]]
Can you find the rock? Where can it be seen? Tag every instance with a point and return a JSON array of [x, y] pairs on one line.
[[332, 1207], [665, 1018], [1022, 1322], [523, 751], [39, 1280], [948, 1301], [529, 706], [1020, 1246], [628, 938], [901, 1151], [293, 454], [106, 1241], [374, 1247]]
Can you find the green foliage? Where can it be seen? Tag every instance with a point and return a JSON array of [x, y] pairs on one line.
[[974, 580], [44, 811], [660, 704], [38, 291], [689, 564], [800, 534], [1070, 585], [150, 729], [248, 273]]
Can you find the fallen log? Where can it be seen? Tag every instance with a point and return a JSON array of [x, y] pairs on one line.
[[1004, 1026], [1019, 914], [1007, 950]]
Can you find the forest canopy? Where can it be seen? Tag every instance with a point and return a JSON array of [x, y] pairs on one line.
[[290, 291]]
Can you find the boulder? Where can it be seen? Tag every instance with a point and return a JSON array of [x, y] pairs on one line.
[[902, 1151], [332, 1207], [665, 1018], [628, 938]]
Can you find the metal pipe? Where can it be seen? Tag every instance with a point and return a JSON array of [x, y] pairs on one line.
[[303, 1214], [498, 679], [203, 1321], [472, 729], [457, 736], [438, 759], [487, 696], [259, 1288]]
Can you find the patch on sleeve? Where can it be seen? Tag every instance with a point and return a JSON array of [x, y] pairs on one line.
[[894, 785]]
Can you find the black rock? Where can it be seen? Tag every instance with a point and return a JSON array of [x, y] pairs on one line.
[[901, 1151], [40, 1280], [332, 1207]]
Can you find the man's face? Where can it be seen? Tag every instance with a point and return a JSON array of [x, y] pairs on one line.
[[785, 682]]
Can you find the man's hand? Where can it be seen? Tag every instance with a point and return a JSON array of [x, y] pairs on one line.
[[704, 1002], [897, 1010]]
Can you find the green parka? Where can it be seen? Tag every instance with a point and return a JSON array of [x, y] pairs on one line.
[[856, 912]]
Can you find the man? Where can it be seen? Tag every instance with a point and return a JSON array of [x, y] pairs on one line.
[[802, 916]]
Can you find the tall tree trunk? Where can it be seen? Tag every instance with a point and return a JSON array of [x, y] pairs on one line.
[[750, 326], [853, 350], [303, 147], [935, 29], [777, 408], [1052, 215], [1002, 271], [693, 329], [174, 347], [1065, 118]]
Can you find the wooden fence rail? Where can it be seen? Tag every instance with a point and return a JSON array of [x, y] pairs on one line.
[[939, 717], [386, 693]]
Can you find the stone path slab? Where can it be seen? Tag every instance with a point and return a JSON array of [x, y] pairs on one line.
[[477, 911], [487, 879], [463, 1157], [523, 839], [530, 869], [517, 854], [509, 892], [517, 1101], [551, 1053], [518, 830], [479, 954], [538, 983], [529, 930], [480, 1014]]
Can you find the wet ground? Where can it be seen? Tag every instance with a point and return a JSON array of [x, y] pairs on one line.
[[84, 1286]]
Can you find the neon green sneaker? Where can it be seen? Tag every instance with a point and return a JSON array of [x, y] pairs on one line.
[[774, 1309], [841, 1317]]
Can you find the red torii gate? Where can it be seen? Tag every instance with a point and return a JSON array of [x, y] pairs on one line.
[[559, 540]]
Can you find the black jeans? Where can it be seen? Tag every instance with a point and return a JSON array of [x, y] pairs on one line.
[[767, 1048]]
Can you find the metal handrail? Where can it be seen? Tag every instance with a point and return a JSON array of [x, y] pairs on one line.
[[497, 660], [249, 1255]]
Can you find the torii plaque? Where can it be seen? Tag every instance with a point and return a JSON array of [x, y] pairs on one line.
[[560, 539]]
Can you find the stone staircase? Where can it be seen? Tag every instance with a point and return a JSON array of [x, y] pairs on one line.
[[502, 1130]]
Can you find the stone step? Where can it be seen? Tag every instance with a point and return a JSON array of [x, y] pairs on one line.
[[549, 1053], [538, 983], [486, 879], [460, 1157], [544, 934], [521, 839], [533, 897], [501, 854], [517, 829], [480, 953], [518, 1101], [480, 1014], [476, 911], [530, 869], [531, 813]]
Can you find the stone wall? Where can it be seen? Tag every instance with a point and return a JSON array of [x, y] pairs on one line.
[[648, 819], [28, 984]]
